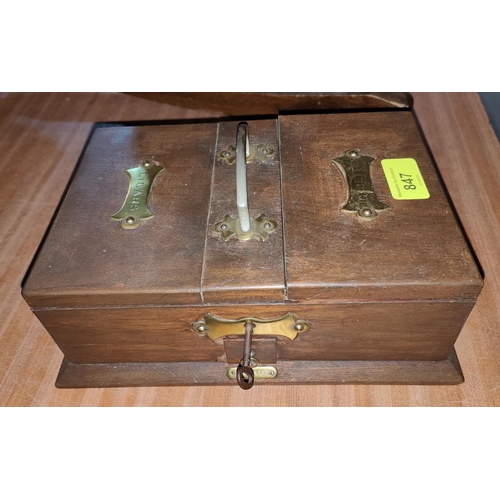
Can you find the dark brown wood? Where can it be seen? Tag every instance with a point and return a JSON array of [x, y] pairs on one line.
[[413, 250], [443, 372], [262, 103], [375, 331], [89, 260], [253, 270]]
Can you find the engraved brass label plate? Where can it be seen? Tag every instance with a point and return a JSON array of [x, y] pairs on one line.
[[215, 327], [259, 372], [362, 198], [135, 207]]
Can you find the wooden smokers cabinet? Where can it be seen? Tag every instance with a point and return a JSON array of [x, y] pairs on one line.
[[306, 248]]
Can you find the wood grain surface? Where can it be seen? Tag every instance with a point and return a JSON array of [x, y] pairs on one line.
[[260, 103], [41, 137], [412, 250], [76, 265]]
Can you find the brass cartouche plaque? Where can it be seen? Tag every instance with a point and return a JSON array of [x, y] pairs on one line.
[[363, 200], [135, 207]]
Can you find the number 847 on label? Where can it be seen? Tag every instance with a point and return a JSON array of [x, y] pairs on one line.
[[408, 180]]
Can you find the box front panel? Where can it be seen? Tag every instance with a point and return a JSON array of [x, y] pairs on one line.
[[371, 331]]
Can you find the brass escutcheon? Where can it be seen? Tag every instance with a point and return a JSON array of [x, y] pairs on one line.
[[262, 227], [215, 327], [261, 153]]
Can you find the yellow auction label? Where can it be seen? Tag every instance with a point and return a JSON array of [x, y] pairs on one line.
[[404, 179]]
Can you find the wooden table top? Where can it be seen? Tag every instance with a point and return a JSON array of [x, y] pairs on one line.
[[41, 137]]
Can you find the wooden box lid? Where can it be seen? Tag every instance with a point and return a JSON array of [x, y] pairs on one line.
[[89, 260], [413, 250]]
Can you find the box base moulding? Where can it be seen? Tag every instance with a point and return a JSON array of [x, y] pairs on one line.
[[445, 372]]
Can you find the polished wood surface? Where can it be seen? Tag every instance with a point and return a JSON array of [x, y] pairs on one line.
[[41, 136], [446, 371], [261, 103], [89, 260], [412, 330], [412, 250]]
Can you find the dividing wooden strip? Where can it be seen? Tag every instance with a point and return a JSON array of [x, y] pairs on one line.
[[253, 270]]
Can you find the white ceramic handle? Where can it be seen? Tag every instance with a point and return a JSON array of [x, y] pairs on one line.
[[242, 153]]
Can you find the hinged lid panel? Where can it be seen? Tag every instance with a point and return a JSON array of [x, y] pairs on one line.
[[385, 248], [249, 270], [91, 259]]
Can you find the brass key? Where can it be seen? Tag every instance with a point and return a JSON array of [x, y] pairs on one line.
[[244, 372]]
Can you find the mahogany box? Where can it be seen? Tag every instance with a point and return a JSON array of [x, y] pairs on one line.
[[300, 248]]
